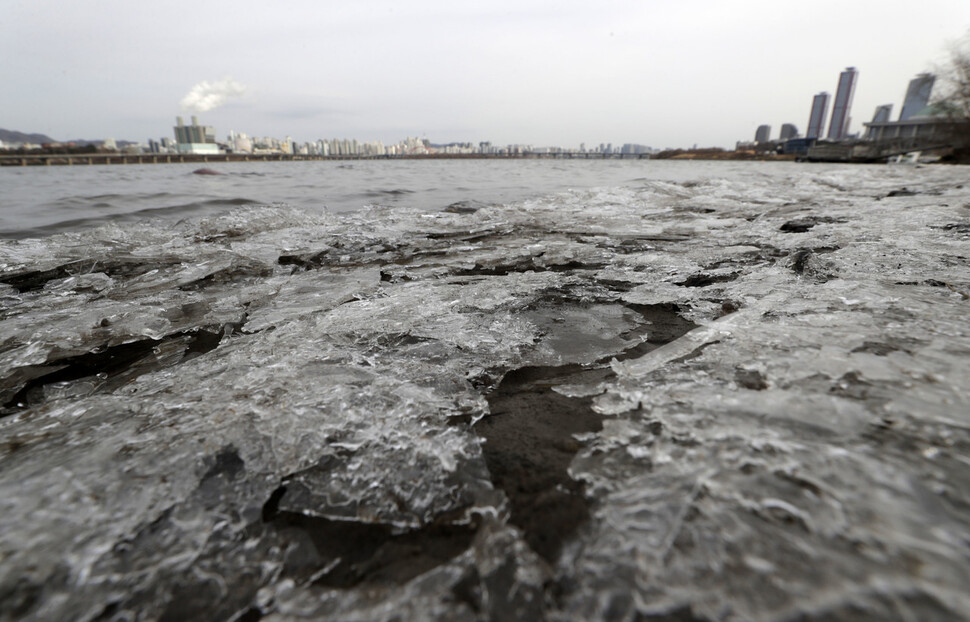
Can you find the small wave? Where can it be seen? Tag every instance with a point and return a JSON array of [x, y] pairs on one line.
[[384, 193], [167, 212], [237, 201], [101, 197], [111, 200], [139, 196]]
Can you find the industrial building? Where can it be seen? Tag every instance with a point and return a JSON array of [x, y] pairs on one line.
[[195, 138]]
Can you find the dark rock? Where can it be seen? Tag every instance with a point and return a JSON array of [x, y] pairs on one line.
[[799, 225], [806, 262], [750, 379], [799, 260], [704, 279], [464, 207], [108, 367], [339, 553], [957, 227], [529, 437]]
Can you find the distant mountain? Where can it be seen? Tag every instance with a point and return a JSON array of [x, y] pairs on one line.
[[9, 136]]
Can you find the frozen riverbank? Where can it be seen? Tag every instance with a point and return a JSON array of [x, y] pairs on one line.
[[729, 398]]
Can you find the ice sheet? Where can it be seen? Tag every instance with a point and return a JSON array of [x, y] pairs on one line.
[[277, 414]]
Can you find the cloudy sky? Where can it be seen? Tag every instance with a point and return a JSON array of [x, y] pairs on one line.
[[543, 72]]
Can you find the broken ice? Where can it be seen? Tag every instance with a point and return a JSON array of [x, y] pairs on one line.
[[648, 402]]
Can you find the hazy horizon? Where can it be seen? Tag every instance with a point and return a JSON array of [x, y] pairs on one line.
[[664, 74]]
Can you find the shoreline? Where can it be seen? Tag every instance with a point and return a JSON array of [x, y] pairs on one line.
[[91, 159]]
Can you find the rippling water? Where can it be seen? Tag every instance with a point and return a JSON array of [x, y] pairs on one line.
[[39, 201]]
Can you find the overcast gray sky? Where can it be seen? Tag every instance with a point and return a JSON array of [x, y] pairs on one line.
[[544, 72]]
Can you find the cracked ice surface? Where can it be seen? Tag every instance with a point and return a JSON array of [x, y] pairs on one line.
[[271, 413]]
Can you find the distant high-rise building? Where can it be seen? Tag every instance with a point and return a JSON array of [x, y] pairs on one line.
[[917, 95], [816, 119], [788, 131], [839, 125], [763, 134], [882, 113]]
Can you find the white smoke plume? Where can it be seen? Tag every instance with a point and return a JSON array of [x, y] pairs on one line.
[[206, 96]]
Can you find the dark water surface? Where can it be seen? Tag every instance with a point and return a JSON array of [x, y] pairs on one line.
[[40, 201]]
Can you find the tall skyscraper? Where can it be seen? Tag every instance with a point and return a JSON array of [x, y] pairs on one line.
[[917, 95], [763, 134], [882, 113], [816, 119], [839, 125], [788, 131]]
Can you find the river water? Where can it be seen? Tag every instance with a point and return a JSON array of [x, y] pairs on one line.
[[39, 201]]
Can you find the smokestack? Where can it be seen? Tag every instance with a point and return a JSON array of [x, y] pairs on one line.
[[179, 122], [195, 120]]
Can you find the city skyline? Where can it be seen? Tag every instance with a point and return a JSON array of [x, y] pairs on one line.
[[661, 73], [197, 139], [201, 139]]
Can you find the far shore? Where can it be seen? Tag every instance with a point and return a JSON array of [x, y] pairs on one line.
[[34, 158], [54, 158]]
